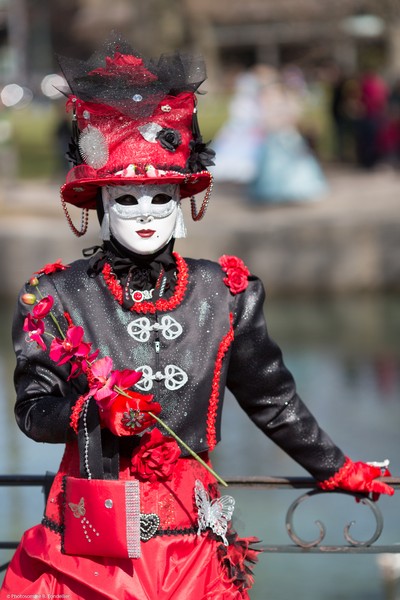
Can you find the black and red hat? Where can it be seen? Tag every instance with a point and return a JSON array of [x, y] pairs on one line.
[[134, 122]]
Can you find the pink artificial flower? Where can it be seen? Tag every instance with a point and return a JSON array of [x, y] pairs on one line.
[[77, 367], [82, 365], [43, 307], [62, 351], [35, 330], [101, 382], [91, 357], [126, 379], [52, 267], [104, 380]]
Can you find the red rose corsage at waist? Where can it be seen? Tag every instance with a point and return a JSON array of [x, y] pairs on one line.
[[156, 457], [237, 273]]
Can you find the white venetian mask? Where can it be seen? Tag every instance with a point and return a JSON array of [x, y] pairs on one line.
[[143, 218]]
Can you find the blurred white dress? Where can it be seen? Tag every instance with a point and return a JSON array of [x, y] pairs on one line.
[[238, 142], [286, 169]]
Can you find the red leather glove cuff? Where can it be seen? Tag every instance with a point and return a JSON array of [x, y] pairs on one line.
[[358, 477]]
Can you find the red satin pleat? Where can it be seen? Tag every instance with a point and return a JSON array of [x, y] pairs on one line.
[[171, 568]]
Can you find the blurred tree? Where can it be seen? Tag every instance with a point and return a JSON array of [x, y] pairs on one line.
[[17, 26], [152, 26], [38, 29]]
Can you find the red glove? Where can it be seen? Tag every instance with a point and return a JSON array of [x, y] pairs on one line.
[[359, 477]]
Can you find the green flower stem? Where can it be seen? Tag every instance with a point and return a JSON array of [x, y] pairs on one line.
[[52, 316], [178, 439], [182, 443], [57, 325]]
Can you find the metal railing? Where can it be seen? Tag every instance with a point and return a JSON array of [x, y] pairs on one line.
[[352, 546]]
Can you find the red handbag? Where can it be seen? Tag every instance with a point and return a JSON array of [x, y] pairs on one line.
[[101, 517], [101, 514]]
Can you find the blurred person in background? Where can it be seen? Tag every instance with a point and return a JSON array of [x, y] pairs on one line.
[[373, 98], [389, 138], [286, 168], [238, 141], [346, 110]]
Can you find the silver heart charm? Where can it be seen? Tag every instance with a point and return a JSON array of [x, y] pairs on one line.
[[148, 526]]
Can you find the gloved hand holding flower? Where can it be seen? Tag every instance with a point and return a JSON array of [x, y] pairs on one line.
[[129, 413]]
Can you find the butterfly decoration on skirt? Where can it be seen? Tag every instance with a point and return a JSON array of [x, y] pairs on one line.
[[214, 514]]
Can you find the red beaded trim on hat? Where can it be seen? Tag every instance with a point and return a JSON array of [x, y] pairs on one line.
[[214, 398], [161, 304]]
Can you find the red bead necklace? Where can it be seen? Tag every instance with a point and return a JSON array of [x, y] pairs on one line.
[[161, 304]]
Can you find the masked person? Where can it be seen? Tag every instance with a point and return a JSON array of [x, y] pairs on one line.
[[124, 356]]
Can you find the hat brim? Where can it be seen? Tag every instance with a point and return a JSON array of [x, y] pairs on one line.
[[83, 192]]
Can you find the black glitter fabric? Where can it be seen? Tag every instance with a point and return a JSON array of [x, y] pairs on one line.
[[188, 338]]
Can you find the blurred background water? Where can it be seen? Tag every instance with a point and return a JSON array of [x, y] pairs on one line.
[[345, 356]]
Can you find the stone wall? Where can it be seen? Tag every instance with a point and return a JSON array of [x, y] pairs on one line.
[[349, 241]]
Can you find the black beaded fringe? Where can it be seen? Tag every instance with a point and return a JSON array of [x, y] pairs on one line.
[[184, 531], [52, 525]]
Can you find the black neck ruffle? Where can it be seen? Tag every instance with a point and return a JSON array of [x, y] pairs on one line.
[[136, 272]]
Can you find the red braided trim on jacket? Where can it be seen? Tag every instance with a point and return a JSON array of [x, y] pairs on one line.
[[214, 398], [76, 413], [161, 304]]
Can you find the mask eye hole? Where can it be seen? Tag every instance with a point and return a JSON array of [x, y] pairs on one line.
[[161, 199], [127, 200]]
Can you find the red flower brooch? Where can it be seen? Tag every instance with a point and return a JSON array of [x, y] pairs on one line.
[[156, 457], [52, 268], [237, 273]]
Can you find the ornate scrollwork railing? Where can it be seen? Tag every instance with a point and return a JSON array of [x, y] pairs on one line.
[[322, 530], [270, 483], [353, 545]]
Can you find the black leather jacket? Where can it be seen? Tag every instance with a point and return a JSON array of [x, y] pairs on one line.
[[188, 354]]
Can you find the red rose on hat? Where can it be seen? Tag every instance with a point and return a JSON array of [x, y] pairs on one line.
[[132, 68]]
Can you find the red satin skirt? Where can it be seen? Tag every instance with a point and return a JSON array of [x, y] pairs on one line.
[[171, 567]]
